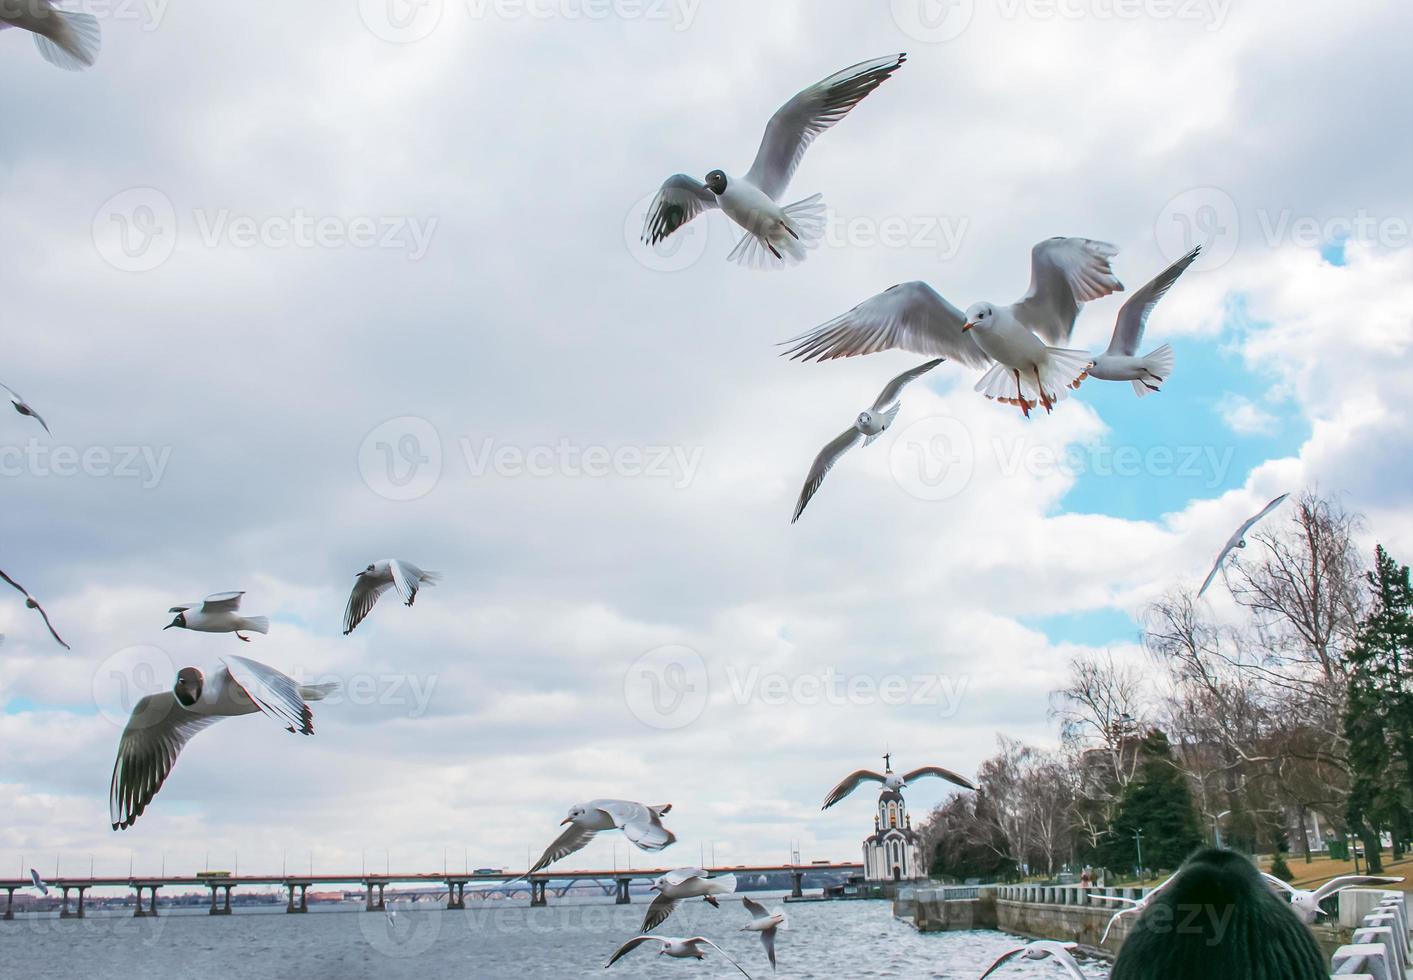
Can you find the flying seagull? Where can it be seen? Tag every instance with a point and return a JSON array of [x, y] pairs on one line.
[[1238, 540], [765, 923], [1307, 903], [680, 885], [1135, 905], [1065, 273], [1063, 954], [1121, 361], [219, 613], [775, 236], [376, 579], [24, 407], [67, 39], [870, 424], [678, 949], [162, 724], [640, 824], [38, 882], [33, 603], [890, 780]]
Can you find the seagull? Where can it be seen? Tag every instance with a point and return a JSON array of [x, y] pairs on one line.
[[1063, 954], [1135, 905], [775, 236], [38, 882], [33, 603], [640, 824], [870, 424], [684, 883], [1307, 903], [890, 780], [1238, 540], [1065, 273], [65, 38], [376, 579], [765, 923], [1121, 361], [678, 949], [162, 724], [218, 614], [24, 407]]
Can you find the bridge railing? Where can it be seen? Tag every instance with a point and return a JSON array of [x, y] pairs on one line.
[[1073, 895], [1379, 948]]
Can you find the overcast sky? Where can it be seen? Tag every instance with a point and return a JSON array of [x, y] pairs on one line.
[[301, 286]]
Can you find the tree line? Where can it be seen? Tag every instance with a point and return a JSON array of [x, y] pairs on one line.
[[1291, 720]]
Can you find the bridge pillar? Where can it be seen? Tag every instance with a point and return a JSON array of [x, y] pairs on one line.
[[538, 893], [145, 913], [9, 904], [624, 898], [797, 884], [221, 910], [455, 895], [64, 912], [303, 905]]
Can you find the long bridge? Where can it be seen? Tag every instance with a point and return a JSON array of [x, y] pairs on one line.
[[484, 884]]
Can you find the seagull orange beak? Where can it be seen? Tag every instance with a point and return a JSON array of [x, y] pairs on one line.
[[566, 820], [967, 326]]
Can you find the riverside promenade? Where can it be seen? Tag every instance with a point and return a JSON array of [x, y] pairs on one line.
[[1369, 940]]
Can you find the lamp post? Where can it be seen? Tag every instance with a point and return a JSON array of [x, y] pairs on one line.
[[1138, 838]]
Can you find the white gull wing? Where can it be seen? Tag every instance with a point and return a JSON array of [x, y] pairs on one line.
[[361, 601], [155, 734], [38, 882], [910, 316], [940, 773], [631, 945], [640, 824], [799, 122], [821, 466], [756, 909], [850, 783], [893, 389], [408, 579], [1001, 961], [1351, 881], [574, 838], [1065, 273], [702, 940], [678, 201], [218, 603], [24, 407], [659, 911], [272, 692], [1133, 315]]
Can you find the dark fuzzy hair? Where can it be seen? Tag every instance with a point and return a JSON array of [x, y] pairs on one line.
[[1219, 920]]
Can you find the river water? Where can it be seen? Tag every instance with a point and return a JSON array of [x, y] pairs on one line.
[[492, 940]]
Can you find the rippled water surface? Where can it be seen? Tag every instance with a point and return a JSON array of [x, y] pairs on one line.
[[824, 940]]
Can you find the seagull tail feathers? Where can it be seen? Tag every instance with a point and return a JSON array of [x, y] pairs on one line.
[[1159, 366], [318, 692], [1061, 370], [74, 43], [257, 624], [788, 243], [723, 884]]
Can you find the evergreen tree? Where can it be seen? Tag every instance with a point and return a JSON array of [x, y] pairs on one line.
[[1378, 719], [1159, 804]]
